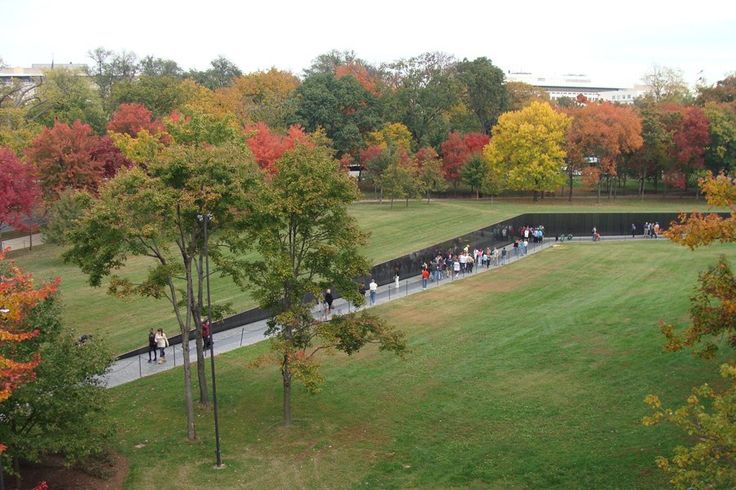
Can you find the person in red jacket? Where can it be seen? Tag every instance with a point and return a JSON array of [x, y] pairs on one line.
[[425, 278]]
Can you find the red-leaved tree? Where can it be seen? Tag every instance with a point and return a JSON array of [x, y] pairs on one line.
[[64, 158], [18, 190], [131, 118], [110, 156], [267, 146], [18, 296], [456, 150]]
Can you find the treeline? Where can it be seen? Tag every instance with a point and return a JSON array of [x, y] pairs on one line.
[[413, 127]]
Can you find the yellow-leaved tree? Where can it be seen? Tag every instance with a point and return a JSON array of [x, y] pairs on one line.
[[709, 415], [527, 149]]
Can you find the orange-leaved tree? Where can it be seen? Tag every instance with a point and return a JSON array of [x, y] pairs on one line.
[[709, 415], [18, 296]]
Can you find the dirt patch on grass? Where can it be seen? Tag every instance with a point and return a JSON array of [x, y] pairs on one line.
[[58, 477]]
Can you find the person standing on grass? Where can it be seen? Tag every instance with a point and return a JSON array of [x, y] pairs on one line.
[[373, 287], [152, 346], [162, 343]]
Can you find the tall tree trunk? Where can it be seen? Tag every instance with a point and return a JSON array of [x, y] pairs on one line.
[[536, 196], [188, 399], [427, 197], [477, 193], [286, 377], [599, 191]]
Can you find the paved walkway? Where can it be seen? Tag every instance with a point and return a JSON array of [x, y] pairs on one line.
[[23, 241], [127, 370]]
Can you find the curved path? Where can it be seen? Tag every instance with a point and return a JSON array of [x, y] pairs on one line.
[[127, 370]]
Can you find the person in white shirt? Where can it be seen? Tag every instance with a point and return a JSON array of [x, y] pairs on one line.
[[373, 287]]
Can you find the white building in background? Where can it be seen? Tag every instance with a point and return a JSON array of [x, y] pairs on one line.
[[29, 78], [572, 84]]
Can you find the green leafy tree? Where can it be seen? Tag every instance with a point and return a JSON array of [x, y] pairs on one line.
[[720, 154], [475, 173], [430, 172], [527, 148], [67, 96], [424, 91], [153, 214], [342, 107], [484, 92], [160, 94], [221, 73], [666, 84], [307, 241], [63, 214], [400, 177], [110, 68]]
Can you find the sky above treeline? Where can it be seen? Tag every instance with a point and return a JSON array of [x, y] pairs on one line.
[[614, 43]]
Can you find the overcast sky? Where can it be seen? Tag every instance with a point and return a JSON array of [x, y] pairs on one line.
[[613, 42]]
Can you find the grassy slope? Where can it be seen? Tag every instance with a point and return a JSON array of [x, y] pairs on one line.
[[394, 232], [528, 377]]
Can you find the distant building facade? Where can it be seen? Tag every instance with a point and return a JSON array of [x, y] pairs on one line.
[[27, 79], [571, 85]]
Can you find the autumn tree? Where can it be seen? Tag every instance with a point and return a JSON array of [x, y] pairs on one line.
[[483, 90], [262, 97], [19, 191], [267, 146], [62, 410], [394, 134], [63, 159], [429, 169], [18, 298], [307, 241], [602, 134], [528, 148], [456, 150], [152, 213], [131, 118], [709, 458]]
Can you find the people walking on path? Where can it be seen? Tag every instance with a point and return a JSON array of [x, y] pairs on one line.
[[162, 342], [152, 346], [633, 230], [373, 287]]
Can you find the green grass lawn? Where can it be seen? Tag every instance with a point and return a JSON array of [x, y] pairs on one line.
[[394, 232], [531, 376]]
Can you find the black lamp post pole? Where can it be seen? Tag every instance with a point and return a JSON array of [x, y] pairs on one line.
[[218, 454]]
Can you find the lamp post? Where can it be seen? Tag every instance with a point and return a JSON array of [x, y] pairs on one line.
[[205, 218], [3, 311]]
